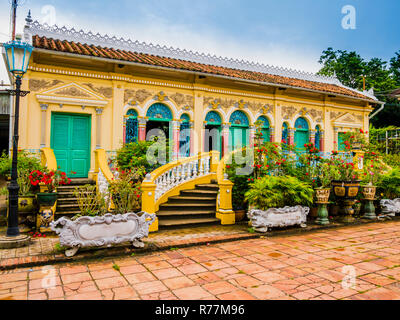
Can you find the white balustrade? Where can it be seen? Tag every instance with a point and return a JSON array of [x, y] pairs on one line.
[[184, 171]]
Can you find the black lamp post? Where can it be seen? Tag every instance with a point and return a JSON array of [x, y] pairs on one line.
[[17, 55]]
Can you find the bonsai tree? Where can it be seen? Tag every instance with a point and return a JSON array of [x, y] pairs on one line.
[[278, 192]]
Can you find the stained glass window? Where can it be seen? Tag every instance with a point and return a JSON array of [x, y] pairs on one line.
[[318, 137], [184, 138], [213, 118], [159, 111], [238, 118], [131, 134], [285, 133]]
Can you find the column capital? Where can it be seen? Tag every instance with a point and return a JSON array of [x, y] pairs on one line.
[[44, 107], [99, 111]]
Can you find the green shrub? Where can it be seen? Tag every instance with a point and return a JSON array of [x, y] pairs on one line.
[[389, 184], [26, 164], [278, 192]]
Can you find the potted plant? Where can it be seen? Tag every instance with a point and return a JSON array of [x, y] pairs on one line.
[[51, 180], [27, 162], [94, 227], [278, 201]]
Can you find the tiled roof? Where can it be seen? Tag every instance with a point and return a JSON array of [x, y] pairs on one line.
[[72, 47]]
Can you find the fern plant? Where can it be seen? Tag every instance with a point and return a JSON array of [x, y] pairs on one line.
[[278, 192]]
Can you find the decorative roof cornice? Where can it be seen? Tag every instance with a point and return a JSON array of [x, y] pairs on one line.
[[63, 33]]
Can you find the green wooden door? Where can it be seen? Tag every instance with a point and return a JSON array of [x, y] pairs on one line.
[[70, 140], [238, 137], [301, 137]]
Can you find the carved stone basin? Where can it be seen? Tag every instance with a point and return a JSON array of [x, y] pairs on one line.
[[282, 217], [101, 231], [390, 207]]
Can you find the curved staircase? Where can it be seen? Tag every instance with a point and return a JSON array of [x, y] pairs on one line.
[[193, 207]]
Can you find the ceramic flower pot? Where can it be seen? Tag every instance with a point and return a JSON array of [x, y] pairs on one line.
[[47, 199], [369, 192], [346, 190], [26, 204], [240, 215], [323, 195]]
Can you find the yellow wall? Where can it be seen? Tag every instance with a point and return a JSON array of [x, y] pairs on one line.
[[319, 110]]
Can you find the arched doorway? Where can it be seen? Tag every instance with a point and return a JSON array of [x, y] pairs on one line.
[[131, 126], [265, 129], [212, 139], [239, 137], [160, 117], [302, 134], [184, 136]]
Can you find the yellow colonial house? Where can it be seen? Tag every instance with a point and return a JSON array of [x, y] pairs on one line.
[[91, 94]]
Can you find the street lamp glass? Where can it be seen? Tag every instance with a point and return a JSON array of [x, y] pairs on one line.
[[18, 55]]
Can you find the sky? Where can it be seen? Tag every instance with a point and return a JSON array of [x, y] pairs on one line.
[[286, 33]]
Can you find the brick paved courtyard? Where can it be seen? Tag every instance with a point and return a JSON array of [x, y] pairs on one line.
[[306, 266]]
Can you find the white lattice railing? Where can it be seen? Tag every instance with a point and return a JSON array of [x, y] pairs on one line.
[[179, 172], [171, 178]]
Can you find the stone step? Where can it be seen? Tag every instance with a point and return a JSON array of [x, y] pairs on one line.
[[191, 200], [186, 205], [181, 214], [67, 207], [199, 193], [212, 187], [81, 182], [68, 214], [174, 223]]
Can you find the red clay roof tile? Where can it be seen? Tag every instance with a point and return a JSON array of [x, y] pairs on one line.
[[110, 53]]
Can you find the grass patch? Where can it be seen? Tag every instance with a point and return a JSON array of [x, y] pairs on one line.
[[116, 267]]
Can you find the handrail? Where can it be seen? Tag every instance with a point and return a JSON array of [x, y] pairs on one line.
[[101, 164], [48, 159], [181, 171]]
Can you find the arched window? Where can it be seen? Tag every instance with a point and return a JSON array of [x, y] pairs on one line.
[[285, 133], [184, 136], [302, 134], [213, 118], [265, 128], [318, 137], [131, 130], [159, 111], [239, 137]]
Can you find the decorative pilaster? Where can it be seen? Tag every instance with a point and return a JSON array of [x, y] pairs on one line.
[[336, 138], [142, 122], [99, 112], [252, 134], [44, 108], [272, 134], [225, 138], [291, 136], [176, 125], [312, 136], [322, 141]]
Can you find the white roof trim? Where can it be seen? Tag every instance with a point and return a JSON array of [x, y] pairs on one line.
[[63, 33]]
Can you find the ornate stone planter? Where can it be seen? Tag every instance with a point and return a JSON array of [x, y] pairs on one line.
[[261, 220], [390, 207], [107, 230], [346, 192], [322, 195], [369, 192]]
